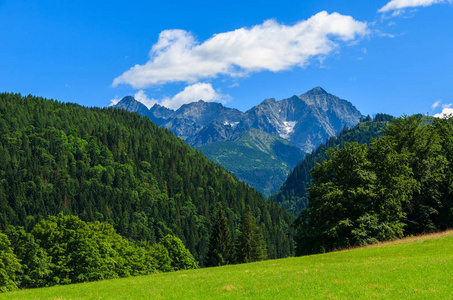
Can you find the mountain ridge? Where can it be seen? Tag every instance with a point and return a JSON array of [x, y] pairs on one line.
[[306, 120]]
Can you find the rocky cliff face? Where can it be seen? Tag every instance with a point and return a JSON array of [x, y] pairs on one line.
[[305, 121]]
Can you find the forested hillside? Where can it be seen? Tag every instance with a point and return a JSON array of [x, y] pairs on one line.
[[257, 158], [293, 195], [118, 167]]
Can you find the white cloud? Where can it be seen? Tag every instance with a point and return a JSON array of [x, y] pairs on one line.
[[114, 101], [398, 5], [436, 104], [179, 57], [141, 96], [192, 93], [447, 110]]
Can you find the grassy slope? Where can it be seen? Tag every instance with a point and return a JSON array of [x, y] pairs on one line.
[[416, 268]]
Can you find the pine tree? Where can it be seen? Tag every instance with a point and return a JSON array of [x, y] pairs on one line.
[[248, 244], [220, 250]]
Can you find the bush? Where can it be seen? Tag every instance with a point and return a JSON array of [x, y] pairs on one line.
[[181, 258]]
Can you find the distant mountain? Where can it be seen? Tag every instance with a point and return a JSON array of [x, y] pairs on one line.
[[130, 104], [293, 195], [257, 158], [305, 121]]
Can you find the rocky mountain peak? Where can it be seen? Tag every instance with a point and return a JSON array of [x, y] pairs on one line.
[[130, 104], [316, 92], [128, 99]]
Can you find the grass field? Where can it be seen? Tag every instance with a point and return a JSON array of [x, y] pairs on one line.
[[414, 268]]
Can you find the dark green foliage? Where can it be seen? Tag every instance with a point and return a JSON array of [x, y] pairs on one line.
[[9, 265], [356, 198], [293, 195], [180, 257], [82, 251], [399, 185], [444, 128], [428, 163], [65, 249], [249, 246], [161, 257], [109, 165], [220, 250], [36, 264]]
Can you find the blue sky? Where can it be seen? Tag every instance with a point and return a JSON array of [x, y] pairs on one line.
[[383, 56]]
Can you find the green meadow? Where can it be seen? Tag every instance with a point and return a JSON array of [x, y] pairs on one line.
[[414, 268]]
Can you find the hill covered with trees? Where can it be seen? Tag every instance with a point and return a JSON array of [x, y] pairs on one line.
[[113, 166]]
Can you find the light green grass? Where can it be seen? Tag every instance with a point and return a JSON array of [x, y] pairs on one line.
[[417, 268]]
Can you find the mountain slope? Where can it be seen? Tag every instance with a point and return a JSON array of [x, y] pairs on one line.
[[293, 194], [115, 166], [257, 158], [306, 120]]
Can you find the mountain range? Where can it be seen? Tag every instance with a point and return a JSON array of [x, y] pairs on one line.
[[247, 143], [305, 121]]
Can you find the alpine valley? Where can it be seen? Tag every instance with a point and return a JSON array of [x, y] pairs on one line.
[[271, 137]]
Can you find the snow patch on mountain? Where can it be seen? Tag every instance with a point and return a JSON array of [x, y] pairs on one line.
[[232, 124], [286, 129]]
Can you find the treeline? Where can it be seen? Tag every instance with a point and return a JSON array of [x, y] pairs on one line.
[[401, 184], [64, 249], [293, 195], [112, 166]]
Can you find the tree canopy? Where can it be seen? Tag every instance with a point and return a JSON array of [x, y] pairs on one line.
[[398, 185], [64, 249]]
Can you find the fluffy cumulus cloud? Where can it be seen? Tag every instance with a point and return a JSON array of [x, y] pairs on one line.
[[192, 93], [398, 5], [143, 98], [198, 91], [447, 110], [179, 57], [114, 101]]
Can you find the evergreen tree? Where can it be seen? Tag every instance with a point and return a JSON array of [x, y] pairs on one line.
[[220, 250], [248, 246]]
